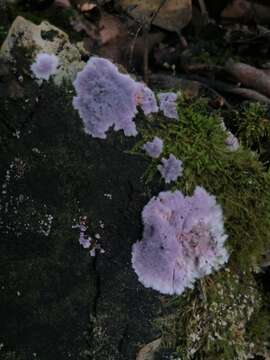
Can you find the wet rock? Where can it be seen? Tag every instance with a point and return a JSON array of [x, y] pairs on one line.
[[32, 39]]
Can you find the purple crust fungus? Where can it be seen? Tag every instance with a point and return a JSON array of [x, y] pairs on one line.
[[107, 98], [183, 240], [170, 169], [168, 105], [44, 66], [154, 148], [147, 100]]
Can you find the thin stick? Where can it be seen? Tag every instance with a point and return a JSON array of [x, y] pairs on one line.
[[147, 26], [132, 47], [243, 92]]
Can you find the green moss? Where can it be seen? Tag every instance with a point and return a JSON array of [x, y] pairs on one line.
[[237, 179], [258, 329], [224, 317], [215, 317], [251, 124], [218, 319]]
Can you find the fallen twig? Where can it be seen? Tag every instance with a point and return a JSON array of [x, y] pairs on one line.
[[166, 82], [250, 76], [250, 94], [224, 87], [202, 67], [146, 28], [189, 87]]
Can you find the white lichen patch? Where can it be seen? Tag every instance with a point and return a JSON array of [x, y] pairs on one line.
[[26, 35], [46, 224], [108, 196], [219, 320], [19, 213]]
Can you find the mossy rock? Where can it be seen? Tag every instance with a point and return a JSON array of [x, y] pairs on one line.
[[58, 302], [238, 179], [215, 319], [251, 123]]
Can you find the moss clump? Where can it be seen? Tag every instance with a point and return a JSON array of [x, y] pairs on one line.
[[218, 319], [215, 320], [251, 124], [237, 179]]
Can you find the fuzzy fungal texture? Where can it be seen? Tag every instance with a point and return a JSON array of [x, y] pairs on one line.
[[45, 66], [170, 169], [183, 240], [168, 104], [154, 148], [240, 182], [107, 98], [147, 100]]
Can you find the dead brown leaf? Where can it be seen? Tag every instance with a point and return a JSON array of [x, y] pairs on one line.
[[110, 27], [173, 15]]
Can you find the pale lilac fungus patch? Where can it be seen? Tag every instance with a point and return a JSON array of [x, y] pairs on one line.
[[147, 100], [44, 66], [168, 105], [170, 169], [84, 240], [154, 148], [183, 240], [105, 98]]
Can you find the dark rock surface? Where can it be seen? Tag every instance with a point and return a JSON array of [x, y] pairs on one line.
[[58, 302]]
